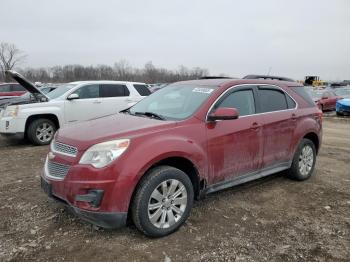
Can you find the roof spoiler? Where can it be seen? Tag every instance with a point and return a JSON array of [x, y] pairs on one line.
[[280, 78]]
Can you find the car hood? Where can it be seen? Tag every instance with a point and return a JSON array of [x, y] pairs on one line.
[[26, 84], [85, 134]]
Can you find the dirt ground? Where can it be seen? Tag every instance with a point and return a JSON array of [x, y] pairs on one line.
[[272, 219]]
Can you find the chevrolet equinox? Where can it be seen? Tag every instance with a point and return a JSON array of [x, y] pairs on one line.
[[148, 163]]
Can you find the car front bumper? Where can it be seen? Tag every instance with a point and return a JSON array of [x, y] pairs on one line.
[[109, 220], [12, 126]]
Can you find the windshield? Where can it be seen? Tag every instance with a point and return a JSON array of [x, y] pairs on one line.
[[174, 102], [60, 91], [343, 92]]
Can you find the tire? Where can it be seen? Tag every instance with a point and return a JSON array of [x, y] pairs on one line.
[[142, 212], [302, 167], [339, 114], [47, 127]]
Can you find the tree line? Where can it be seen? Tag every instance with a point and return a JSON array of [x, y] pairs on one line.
[[11, 57], [119, 71]]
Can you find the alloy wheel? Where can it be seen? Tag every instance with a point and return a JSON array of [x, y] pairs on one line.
[[44, 132], [167, 203], [306, 160]]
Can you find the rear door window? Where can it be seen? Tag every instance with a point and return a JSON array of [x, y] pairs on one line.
[[142, 90], [272, 99], [113, 90]]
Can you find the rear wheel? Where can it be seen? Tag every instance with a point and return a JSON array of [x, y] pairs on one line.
[[339, 114], [41, 131], [304, 161], [162, 202]]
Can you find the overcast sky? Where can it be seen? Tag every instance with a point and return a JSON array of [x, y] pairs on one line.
[[294, 38]]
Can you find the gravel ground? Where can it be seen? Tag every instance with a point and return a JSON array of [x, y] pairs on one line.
[[272, 219]]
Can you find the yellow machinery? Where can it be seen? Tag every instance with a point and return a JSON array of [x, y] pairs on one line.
[[314, 81]]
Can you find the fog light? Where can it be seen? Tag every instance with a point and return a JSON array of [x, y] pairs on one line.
[[93, 197]]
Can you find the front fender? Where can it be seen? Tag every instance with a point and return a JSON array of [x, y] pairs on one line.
[[143, 155], [51, 110]]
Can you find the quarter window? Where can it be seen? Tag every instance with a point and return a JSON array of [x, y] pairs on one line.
[[272, 100], [109, 90], [142, 90], [242, 100], [290, 102], [18, 88], [302, 91]]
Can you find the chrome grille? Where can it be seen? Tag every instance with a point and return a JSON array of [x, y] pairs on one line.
[[57, 170], [64, 149]]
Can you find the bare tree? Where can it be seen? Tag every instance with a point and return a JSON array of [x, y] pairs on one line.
[[10, 56]]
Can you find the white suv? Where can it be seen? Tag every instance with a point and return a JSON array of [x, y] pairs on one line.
[[70, 103]]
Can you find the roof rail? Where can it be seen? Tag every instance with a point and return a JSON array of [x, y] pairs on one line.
[[281, 78], [215, 77]]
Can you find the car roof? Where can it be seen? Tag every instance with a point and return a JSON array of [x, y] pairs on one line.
[[229, 82], [104, 82]]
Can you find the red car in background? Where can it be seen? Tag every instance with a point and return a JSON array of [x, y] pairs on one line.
[[325, 99], [11, 89]]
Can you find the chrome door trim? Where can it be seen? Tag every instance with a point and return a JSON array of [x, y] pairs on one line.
[[257, 85]]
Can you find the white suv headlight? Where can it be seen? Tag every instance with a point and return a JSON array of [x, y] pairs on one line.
[[100, 155], [11, 111]]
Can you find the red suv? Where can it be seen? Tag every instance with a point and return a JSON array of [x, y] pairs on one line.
[[190, 138]]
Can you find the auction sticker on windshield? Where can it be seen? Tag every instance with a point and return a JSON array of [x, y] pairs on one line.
[[202, 90]]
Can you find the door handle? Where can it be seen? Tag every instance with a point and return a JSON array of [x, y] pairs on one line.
[[294, 117], [97, 102], [255, 126]]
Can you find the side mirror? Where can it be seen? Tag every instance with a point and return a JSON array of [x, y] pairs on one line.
[[224, 113], [73, 97]]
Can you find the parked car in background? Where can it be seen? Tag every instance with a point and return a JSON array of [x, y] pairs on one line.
[[325, 99], [343, 92], [26, 97], [186, 140], [38, 119], [11, 89], [343, 107]]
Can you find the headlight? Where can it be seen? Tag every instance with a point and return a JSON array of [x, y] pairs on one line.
[[102, 154], [11, 111]]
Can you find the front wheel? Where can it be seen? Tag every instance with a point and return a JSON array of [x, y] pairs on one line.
[[162, 202], [304, 161], [41, 131]]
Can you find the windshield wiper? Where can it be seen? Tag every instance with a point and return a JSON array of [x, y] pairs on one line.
[[151, 114]]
